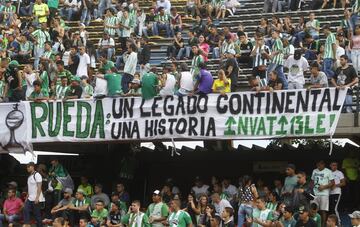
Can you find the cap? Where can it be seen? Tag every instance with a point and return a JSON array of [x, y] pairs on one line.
[[31, 164], [80, 191], [291, 166], [14, 63], [13, 183], [77, 33], [156, 192], [355, 215], [7, 1], [303, 209], [135, 81], [68, 190], [231, 51], [75, 78]]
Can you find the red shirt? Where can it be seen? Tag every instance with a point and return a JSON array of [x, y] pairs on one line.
[[12, 206]]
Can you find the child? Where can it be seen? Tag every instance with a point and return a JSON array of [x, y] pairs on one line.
[[227, 217], [318, 79], [221, 84], [38, 94], [88, 90], [135, 88]]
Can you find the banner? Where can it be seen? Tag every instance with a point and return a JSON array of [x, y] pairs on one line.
[[241, 115]]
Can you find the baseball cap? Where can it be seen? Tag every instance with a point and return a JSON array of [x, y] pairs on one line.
[[68, 190], [156, 192], [355, 215], [303, 209], [13, 183], [75, 78], [80, 191], [14, 63], [231, 51]]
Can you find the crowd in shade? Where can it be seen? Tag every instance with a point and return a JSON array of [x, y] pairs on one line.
[[50, 198]]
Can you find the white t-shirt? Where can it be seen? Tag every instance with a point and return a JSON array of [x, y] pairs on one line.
[[220, 207], [32, 182], [322, 177], [30, 78], [187, 81], [231, 191], [106, 42], [199, 191], [100, 87], [338, 176], [296, 69], [169, 87], [84, 62], [66, 57]]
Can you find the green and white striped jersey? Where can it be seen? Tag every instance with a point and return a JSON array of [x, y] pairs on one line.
[[278, 47], [330, 40]]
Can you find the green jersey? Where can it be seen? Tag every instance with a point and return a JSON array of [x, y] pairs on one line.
[[278, 47], [65, 73], [330, 40], [195, 70], [44, 82], [49, 55], [80, 203], [162, 18], [100, 215], [113, 84], [41, 37], [179, 219], [106, 67], [53, 3], [136, 220], [149, 83], [88, 90], [61, 91], [111, 21], [35, 95], [263, 215], [156, 211], [317, 219]]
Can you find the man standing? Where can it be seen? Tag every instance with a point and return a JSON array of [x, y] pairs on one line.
[[135, 217], [302, 192], [345, 76], [40, 36], [329, 52], [157, 211], [12, 208], [197, 59], [232, 69], [289, 184], [178, 218], [130, 59], [277, 59], [84, 63], [35, 196], [335, 192], [323, 180]]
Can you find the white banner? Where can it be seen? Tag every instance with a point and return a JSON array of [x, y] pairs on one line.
[[241, 115]]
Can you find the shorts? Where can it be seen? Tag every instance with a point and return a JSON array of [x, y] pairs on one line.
[[322, 201]]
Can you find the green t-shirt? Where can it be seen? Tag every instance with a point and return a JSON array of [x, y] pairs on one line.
[[113, 83], [158, 210], [107, 66], [263, 215], [53, 4], [149, 82], [100, 215], [136, 220], [289, 223], [65, 73], [317, 220], [40, 94], [88, 190], [179, 219], [44, 83]]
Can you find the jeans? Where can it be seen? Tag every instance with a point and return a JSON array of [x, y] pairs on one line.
[[270, 6], [85, 17], [103, 5], [281, 5], [310, 55], [125, 81], [354, 21], [348, 104], [187, 51], [26, 10], [244, 211], [327, 67], [181, 54], [10, 218], [38, 52], [157, 27], [69, 13], [280, 71], [31, 207], [355, 59], [216, 52]]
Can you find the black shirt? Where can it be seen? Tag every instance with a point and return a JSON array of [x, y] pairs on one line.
[[176, 45], [274, 83], [229, 224], [309, 223], [74, 91], [235, 72], [11, 77], [115, 218], [73, 67], [246, 48], [144, 56], [345, 76]]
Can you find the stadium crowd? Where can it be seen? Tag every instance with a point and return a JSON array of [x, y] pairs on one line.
[[43, 59], [298, 200]]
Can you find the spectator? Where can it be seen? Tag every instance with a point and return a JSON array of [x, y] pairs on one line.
[[270, 6], [318, 79], [288, 219], [175, 21], [167, 84], [330, 52], [12, 209], [310, 47], [219, 204], [258, 84], [130, 60], [345, 76], [62, 72], [195, 63], [355, 48], [114, 81], [35, 196], [41, 12], [79, 208], [84, 63], [323, 180], [157, 211], [222, 84], [261, 216], [75, 90], [166, 4], [345, 24], [232, 69], [247, 194], [40, 36], [115, 215], [297, 65], [61, 89], [126, 25], [37, 94], [162, 22], [289, 49], [272, 202], [186, 83], [303, 193], [191, 8], [178, 217], [245, 49], [214, 42], [227, 45], [289, 183], [135, 214], [177, 49], [144, 56], [30, 77], [304, 219], [149, 84], [210, 217], [100, 214], [314, 213], [70, 8], [107, 45], [134, 88], [274, 82], [227, 217], [336, 190], [87, 89], [260, 54], [355, 218], [74, 60], [87, 7], [123, 194], [204, 81], [332, 221], [99, 196], [62, 209], [277, 59], [111, 23], [203, 48]]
